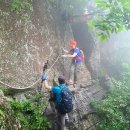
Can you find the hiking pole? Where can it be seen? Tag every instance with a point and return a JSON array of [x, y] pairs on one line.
[[45, 67], [51, 99]]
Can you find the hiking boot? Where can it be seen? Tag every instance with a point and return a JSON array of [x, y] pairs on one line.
[[67, 122]]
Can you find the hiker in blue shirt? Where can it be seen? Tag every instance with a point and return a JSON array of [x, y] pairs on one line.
[[56, 90], [77, 58]]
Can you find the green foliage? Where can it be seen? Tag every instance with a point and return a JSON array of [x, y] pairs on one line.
[[23, 9], [21, 6], [29, 113], [114, 110], [114, 17]]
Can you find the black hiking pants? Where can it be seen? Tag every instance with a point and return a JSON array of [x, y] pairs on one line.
[[61, 121]]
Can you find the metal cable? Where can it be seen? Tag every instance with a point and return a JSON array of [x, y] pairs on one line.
[[31, 86]]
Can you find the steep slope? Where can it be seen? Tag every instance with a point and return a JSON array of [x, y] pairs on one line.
[[25, 47]]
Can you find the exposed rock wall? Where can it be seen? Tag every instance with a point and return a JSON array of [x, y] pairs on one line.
[[24, 49]]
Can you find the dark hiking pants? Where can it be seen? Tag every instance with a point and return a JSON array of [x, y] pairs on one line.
[[74, 72]]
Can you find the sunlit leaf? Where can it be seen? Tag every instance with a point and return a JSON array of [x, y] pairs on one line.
[[126, 4], [1, 112], [101, 3], [103, 37], [120, 28], [90, 24]]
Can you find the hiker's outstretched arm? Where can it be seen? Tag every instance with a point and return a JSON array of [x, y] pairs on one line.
[[69, 55], [46, 85], [44, 81]]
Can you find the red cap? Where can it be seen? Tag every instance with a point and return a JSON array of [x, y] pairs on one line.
[[73, 43]]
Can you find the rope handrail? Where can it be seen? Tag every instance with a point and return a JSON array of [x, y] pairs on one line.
[[31, 86]]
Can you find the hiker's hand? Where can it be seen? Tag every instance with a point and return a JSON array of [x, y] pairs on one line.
[[43, 76], [64, 50], [64, 56]]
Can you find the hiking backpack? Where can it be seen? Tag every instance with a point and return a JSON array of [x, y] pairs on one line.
[[66, 104], [80, 54]]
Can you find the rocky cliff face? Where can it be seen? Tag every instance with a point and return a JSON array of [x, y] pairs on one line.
[[25, 47]]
